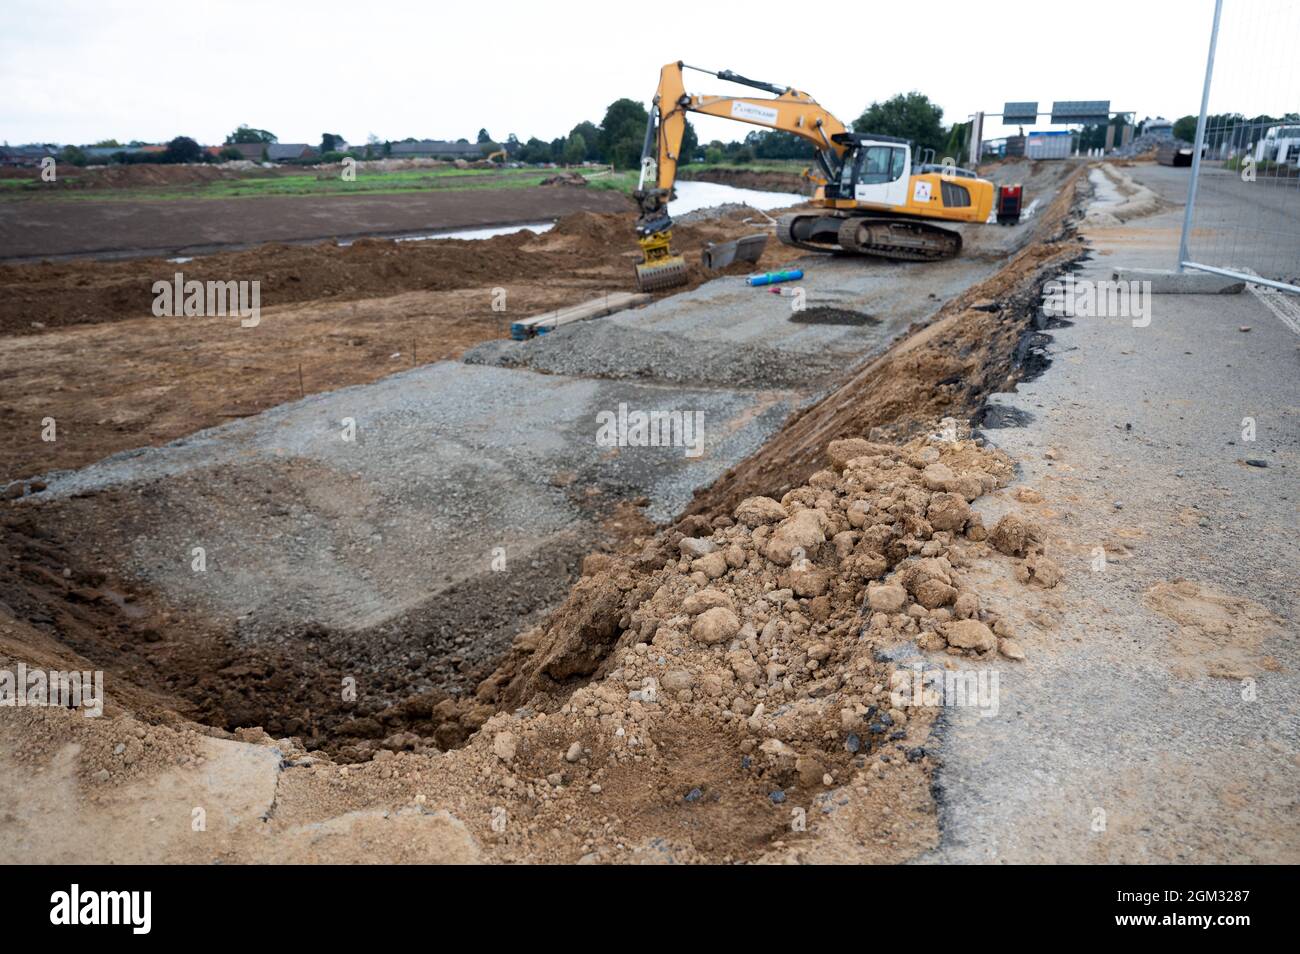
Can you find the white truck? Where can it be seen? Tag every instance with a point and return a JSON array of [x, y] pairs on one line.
[[1280, 144]]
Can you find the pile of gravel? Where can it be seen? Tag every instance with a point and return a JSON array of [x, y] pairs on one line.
[[714, 212], [601, 349]]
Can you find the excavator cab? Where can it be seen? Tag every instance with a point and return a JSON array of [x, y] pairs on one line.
[[875, 171]]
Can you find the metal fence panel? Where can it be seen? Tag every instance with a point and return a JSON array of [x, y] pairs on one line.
[[1243, 210]]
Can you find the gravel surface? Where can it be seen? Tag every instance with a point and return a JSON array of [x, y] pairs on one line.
[[383, 546], [604, 349]]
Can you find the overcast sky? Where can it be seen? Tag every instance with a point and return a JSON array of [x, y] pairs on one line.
[[139, 69]]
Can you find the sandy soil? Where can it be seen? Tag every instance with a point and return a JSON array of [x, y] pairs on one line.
[[732, 706]]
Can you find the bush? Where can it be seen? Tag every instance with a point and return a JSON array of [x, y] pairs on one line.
[[183, 149], [713, 155]]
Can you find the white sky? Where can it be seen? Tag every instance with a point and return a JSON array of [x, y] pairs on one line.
[[81, 71]]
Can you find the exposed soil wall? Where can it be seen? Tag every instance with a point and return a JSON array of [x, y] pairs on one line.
[[763, 181]]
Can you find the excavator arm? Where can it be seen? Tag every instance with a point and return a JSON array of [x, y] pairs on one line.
[[789, 111]]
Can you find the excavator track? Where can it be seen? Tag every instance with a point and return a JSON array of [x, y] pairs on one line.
[[905, 240], [901, 239], [785, 229]]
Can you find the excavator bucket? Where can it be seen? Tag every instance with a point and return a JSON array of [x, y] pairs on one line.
[[660, 269], [668, 272]]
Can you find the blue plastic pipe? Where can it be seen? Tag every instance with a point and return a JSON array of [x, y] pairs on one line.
[[773, 278]]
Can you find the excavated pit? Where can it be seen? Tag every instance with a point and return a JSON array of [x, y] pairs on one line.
[[823, 315]]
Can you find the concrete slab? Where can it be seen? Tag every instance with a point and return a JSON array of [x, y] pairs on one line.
[[1169, 282]]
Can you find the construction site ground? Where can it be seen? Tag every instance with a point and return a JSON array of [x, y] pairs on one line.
[[36, 230], [416, 534]]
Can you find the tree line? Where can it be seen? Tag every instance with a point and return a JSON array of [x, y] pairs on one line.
[[618, 138]]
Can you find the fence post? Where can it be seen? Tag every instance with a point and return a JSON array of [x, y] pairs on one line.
[[1200, 139]]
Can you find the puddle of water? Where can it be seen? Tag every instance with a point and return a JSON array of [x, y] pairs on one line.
[[538, 227], [471, 234], [704, 195]]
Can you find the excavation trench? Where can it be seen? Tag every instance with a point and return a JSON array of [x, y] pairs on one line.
[[429, 676]]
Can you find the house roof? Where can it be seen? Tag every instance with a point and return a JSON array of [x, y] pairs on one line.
[[105, 152], [437, 147], [31, 150], [288, 150]]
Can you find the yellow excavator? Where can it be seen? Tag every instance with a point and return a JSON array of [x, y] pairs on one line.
[[868, 198]]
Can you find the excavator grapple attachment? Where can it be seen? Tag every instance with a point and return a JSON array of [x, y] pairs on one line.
[[660, 269]]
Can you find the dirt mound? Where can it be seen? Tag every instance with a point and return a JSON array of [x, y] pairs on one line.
[[565, 179], [55, 294], [148, 174], [595, 229]]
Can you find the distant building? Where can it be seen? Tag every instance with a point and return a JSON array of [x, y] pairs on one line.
[[437, 149], [1048, 144], [289, 151], [26, 155]]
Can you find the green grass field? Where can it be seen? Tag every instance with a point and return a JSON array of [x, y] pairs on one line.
[[307, 183]]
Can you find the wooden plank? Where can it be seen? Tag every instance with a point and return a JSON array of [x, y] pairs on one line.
[[596, 308]]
